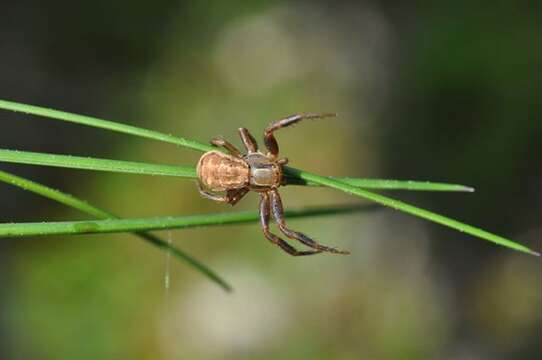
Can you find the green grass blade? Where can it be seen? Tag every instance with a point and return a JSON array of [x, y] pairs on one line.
[[407, 208], [88, 163], [83, 206], [162, 223], [195, 145], [382, 184], [103, 124], [53, 194]]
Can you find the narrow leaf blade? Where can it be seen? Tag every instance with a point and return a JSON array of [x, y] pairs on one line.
[[103, 124], [195, 145], [162, 223], [89, 163], [384, 184], [410, 209]]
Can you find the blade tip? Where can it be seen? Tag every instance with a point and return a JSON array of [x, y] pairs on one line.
[[532, 252]]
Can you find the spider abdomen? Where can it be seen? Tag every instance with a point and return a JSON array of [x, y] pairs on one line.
[[220, 172]]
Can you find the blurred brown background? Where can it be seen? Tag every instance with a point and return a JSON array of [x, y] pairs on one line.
[[446, 91]]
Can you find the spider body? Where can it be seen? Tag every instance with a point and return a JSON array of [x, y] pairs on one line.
[[218, 171], [237, 174]]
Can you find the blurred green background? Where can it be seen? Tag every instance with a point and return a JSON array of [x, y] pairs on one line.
[[441, 91]]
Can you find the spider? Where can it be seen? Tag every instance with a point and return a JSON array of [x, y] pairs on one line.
[[236, 174]]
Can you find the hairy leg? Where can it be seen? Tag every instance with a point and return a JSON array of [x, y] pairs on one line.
[[248, 140], [278, 214], [218, 141], [269, 138], [231, 197], [211, 196], [264, 219], [235, 195]]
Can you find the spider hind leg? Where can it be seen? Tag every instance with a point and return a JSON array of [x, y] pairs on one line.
[[278, 214], [264, 219]]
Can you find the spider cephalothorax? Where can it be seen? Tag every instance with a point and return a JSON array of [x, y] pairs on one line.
[[237, 174]]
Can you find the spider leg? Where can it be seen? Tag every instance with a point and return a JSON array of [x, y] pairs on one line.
[[236, 195], [269, 138], [231, 197], [278, 214], [218, 141], [209, 195], [264, 219], [248, 140]]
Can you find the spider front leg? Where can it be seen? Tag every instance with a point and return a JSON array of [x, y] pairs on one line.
[[248, 140], [220, 142], [264, 219], [278, 214], [232, 197], [269, 138]]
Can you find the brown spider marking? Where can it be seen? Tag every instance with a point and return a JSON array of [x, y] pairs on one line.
[[237, 174]]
